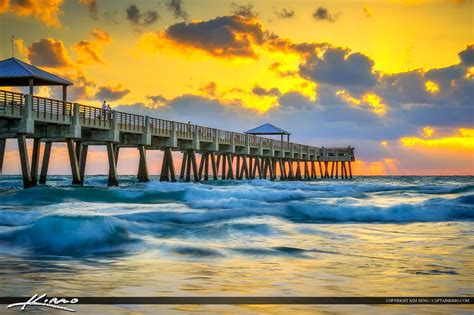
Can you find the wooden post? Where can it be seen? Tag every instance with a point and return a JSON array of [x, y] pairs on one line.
[[337, 170], [291, 175], [326, 169], [206, 167], [272, 169], [192, 158], [350, 169], [183, 165], [73, 161], [313, 170], [113, 181], [258, 165], [214, 166], [45, 163], [142, 166], [320, 169], [245, 169], [251, 169], [306, 170], [332, 169], [83, 162], [167, 167], [230, 163], [298, 170], [224, 169], [25, 163], [3, 144], [35, 161], [237, 167]]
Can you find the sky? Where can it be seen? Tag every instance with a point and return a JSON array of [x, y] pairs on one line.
[[392, 78]]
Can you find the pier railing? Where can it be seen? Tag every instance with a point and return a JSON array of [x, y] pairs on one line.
[[12, 105], [48, 109]]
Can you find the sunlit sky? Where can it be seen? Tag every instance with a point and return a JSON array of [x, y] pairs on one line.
[[393, 78]]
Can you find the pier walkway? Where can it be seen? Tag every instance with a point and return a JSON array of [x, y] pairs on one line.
[[230, 154]]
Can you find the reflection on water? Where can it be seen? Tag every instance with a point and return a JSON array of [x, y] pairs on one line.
[[368, 237]]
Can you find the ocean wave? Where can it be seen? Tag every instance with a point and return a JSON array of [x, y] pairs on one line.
[[65, 235], [432, 210]]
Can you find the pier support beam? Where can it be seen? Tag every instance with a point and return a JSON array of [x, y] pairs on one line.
[[3, 143], [298, 170], [35, 161], [350, 169], [45, 163], [313, 170], [320, 169], [213, 165], [142, 165], [245, 168], [76, 180], [167, 167], [25, 163], [83, 162], [230, 165], [113, 181]]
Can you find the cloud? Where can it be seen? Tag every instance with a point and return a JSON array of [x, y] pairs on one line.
[[340, 67], [283, 13], [101, 35], [244, 10], [322, 14], [176, 7], [141, 19], [50, 53], [467, 56], [47, 11], [464, 139], [226, 36], [92, 6], [157, 100], [258, 90], [88, 52], [209, 89], [111, 93]]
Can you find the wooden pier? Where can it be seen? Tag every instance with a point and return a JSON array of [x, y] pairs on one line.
[[231, 155]]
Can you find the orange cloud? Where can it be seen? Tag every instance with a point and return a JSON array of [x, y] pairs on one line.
[[46, 11], [463, 140], [427, 131], [225, 37], [49, 53], [88, 52], [369, 100], [101, 35], [431, 87]]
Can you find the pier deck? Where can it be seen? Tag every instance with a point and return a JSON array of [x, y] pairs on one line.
[[233, 155]]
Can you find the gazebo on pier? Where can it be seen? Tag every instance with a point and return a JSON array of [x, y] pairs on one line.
[[14, 72], [269, 130]]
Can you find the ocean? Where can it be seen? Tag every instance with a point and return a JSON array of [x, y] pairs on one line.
[[370, 236]]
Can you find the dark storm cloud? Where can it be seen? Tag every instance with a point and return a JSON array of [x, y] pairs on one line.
[[467, 56], [137, 18], [258, 90], [176, 7], [341, 68], [110, 93], [226, 36], [284, 13], [323, 14], [92, 7], [244, 10]]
